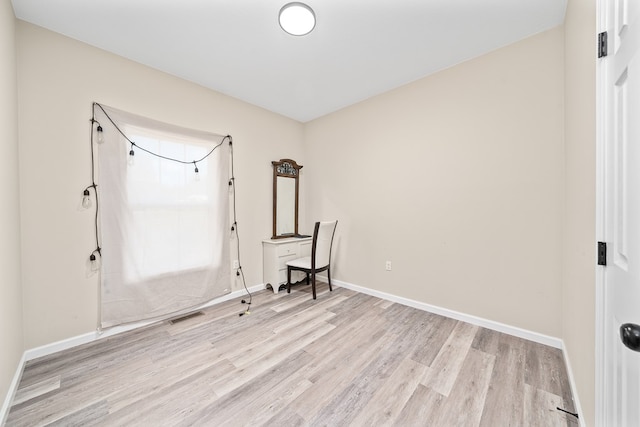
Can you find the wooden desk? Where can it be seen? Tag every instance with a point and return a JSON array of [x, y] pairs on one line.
[[276, 253]]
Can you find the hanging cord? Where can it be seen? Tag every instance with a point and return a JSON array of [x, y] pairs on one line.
[[97, 250], [234, 228], [133, 144]]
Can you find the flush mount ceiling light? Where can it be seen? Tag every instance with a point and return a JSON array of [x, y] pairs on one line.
[[297, 19]]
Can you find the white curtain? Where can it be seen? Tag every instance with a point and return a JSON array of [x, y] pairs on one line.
[[164, 228]]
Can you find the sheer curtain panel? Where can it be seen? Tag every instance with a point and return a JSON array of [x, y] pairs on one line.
[[164, 227]]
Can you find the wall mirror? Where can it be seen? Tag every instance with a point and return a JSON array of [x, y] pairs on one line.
[[286, 178]]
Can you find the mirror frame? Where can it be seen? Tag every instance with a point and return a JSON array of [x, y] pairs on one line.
[[289, 169]]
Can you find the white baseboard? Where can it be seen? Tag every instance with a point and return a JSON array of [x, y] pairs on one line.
[[47, 349], [479, 321], [572, 384], [13, 387]]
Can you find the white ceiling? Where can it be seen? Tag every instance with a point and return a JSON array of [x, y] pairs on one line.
[[359, 48]]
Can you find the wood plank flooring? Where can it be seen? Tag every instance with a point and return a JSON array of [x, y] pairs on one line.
[[345, 359]]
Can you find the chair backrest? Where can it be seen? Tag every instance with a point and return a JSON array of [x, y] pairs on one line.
[[322, 241]]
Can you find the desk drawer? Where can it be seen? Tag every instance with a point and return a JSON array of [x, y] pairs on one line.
[[288, 249]]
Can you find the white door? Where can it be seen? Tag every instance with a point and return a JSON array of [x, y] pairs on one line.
[[622, 214]]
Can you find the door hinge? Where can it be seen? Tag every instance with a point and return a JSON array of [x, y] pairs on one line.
[[602, 44], [602, 253]]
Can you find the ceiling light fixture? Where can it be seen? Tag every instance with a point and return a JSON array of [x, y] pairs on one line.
[[297, 19]]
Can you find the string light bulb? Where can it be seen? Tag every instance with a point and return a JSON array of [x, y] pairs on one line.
[[86, 199], [196, 171], [131, 157], [100, 133], [95, 265]]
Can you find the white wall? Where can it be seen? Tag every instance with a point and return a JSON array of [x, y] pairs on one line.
[[11, 342], [456, 179], [58, 80], [578, 308]]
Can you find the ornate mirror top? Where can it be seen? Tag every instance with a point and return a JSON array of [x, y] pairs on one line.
[[287, 167]]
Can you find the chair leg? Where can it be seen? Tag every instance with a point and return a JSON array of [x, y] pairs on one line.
[[288, 280], [307, 278], [313, 284], [329, 277]]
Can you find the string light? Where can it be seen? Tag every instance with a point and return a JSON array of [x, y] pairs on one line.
[[100, 134], [133, 144], [95, 264], [96, 254], [234, 228], [86, 199], [132, 158]]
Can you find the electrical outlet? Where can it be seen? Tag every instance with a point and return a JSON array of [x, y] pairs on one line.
[[236, 264], [387, 266]]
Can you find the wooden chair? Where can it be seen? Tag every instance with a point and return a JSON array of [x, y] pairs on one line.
[[320, 259]]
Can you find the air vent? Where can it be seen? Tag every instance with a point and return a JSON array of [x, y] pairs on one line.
[[185, 317]]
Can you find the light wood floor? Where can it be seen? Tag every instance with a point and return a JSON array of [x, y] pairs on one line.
[[344, 359]]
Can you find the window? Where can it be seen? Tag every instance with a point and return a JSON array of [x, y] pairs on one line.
[[165, 228], [171, 207]]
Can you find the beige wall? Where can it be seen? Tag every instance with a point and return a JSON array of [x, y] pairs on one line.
[[578, 308], [11, 341], [456, 179], [58, 80]]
